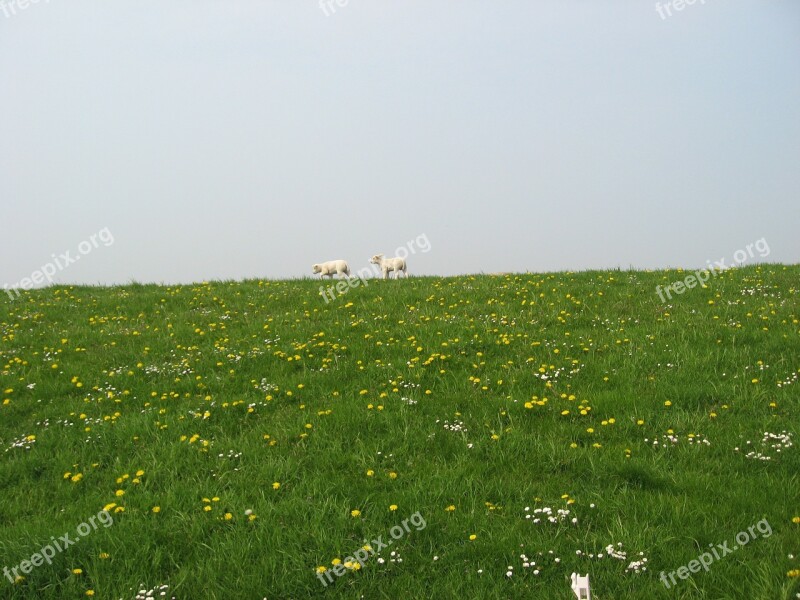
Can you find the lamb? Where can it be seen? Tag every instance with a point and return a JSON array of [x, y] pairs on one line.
[[329, 268], [390, 264]]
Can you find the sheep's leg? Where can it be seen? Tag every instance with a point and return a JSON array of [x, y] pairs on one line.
[[386, 273]]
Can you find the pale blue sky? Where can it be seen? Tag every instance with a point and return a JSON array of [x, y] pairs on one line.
[[232, 139]]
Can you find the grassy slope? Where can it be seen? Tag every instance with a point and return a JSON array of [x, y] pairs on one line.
[[235, 362]]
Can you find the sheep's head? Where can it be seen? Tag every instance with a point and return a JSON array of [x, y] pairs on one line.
[[315, 269], [375, 260]]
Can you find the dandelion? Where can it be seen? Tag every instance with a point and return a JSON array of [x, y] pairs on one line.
[[355, 513]]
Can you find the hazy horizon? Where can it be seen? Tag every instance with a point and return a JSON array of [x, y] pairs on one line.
[[252, 139]]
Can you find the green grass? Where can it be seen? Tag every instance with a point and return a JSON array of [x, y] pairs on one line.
[[185, 383]]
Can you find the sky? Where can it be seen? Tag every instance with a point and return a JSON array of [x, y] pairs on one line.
[[199, 140]]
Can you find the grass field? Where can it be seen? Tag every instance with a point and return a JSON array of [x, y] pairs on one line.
[[246, 436]]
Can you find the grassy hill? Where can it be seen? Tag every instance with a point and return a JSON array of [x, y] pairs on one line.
[[496, 433]]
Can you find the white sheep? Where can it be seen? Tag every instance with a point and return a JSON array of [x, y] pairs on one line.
[[329, 268], [390, 264]]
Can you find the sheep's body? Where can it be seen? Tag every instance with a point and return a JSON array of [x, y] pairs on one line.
[[386, 265], [330, 268]]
